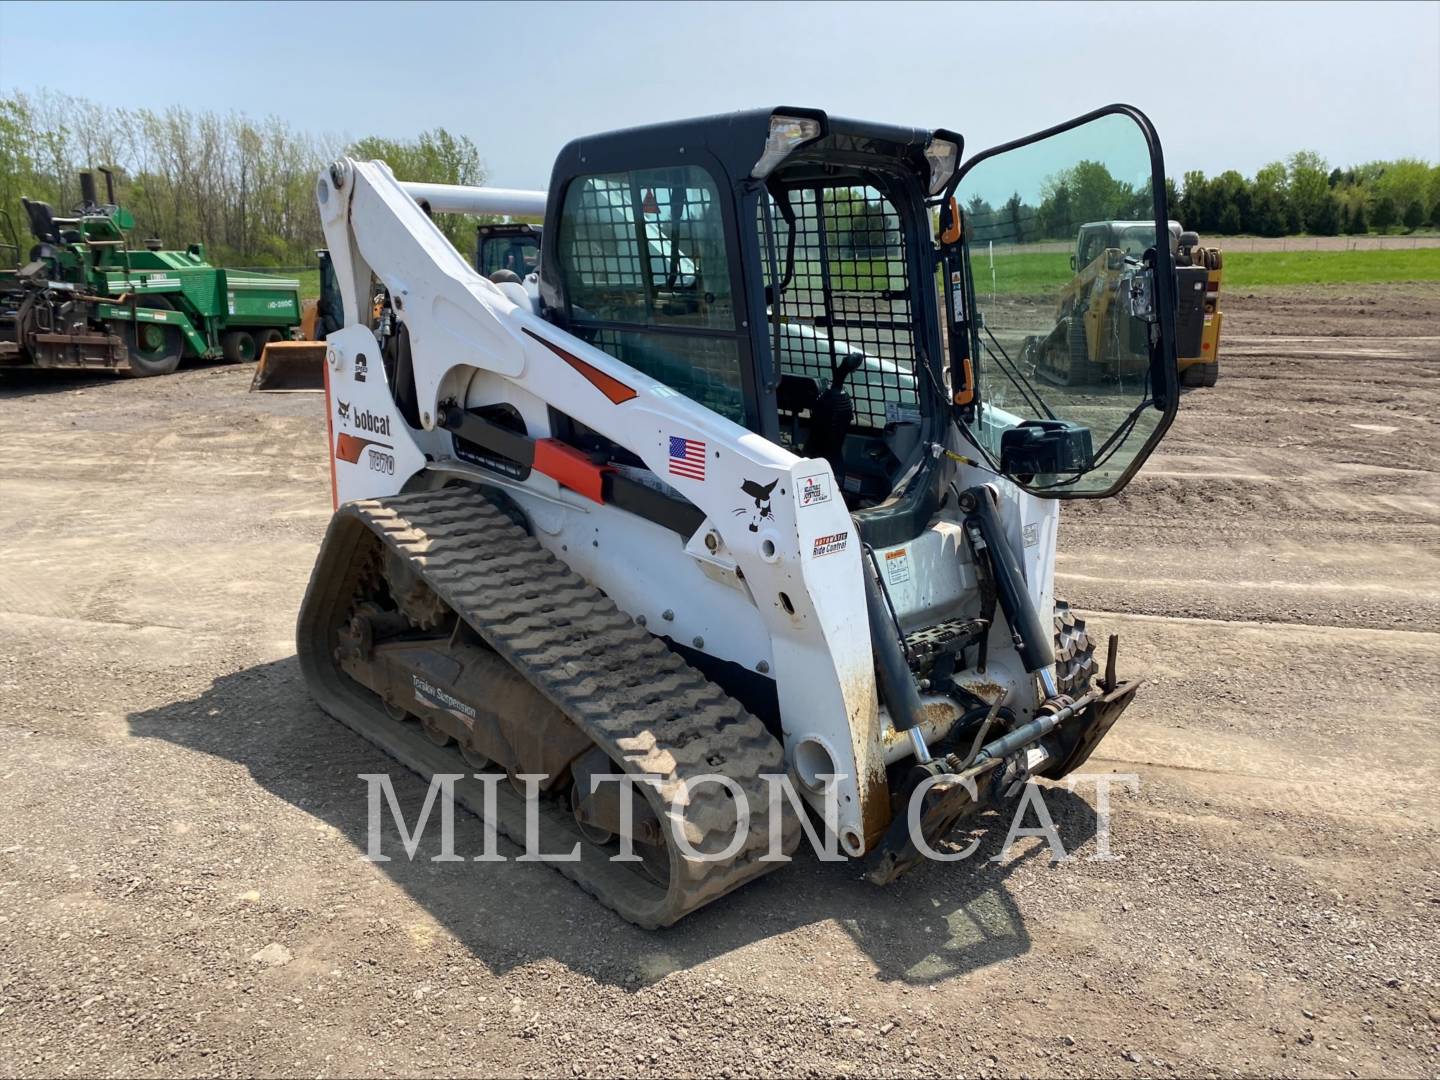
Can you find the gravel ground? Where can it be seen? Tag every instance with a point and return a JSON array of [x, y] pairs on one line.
[[181, 888]]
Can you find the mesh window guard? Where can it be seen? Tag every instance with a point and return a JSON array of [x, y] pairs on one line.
[[848, 290], [648, 279], [647, 248]]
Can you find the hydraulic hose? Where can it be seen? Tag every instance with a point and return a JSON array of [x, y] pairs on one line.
[[995, 753]]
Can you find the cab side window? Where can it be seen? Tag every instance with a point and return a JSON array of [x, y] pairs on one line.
[[1095, 242], [647, 279]]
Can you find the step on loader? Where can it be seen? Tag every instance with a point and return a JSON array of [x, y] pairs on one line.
[[752, 495]]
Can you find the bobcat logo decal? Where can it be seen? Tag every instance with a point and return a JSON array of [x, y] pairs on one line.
[[760, 495]]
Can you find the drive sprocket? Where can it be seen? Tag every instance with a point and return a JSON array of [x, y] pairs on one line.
[[416, 600]]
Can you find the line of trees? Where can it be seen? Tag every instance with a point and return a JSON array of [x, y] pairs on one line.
[[244, 188], [1085, 192], [1301, 194], [1304, 194]]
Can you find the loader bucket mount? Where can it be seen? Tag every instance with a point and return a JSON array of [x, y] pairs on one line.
[[290, 367]]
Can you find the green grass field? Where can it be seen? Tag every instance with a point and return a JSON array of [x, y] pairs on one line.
[[1042, 273], [309, 284], [1245, 270], [1030, 273]]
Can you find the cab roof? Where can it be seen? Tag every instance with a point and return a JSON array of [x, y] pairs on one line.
[[736, 140]]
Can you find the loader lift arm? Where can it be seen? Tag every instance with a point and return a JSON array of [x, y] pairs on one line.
[[787, 579]]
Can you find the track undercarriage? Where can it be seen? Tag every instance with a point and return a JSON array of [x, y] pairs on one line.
[[437, 628]]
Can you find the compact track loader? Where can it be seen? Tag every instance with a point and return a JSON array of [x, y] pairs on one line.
[[1092, 340], [736, 500]]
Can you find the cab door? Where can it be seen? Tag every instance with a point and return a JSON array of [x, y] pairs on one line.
[[1063, 369]]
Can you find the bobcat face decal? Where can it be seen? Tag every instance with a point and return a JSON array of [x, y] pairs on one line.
[[760, 496]]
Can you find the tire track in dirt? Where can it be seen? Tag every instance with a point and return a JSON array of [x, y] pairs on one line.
[[1353, 607]]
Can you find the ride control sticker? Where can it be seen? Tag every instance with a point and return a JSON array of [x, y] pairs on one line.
[[829, 545]]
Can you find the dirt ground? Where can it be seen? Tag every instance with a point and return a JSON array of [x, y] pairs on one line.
[[182, 892]]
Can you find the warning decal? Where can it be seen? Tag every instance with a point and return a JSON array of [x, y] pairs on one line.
[[897, 566]]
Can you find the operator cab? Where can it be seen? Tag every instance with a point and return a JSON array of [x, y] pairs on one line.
[[1133, 238], [776, 266], [507, 249], [851, 312], [781, 267]]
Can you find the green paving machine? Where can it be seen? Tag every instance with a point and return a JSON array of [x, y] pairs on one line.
[[87, 299]]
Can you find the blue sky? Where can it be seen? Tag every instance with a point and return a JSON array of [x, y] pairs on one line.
[[1240, 84]]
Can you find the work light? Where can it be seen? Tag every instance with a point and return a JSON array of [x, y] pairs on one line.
[[943, 156], [786, 133]]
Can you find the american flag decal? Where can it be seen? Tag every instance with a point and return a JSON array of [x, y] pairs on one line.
[[687, 458]]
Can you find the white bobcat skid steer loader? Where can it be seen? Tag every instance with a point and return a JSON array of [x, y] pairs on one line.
[[741, 496]]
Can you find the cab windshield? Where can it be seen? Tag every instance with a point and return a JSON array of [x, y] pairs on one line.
[[1130, 237]]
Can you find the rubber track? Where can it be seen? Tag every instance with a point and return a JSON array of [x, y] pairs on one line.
[[649, 710], [1074, 652]]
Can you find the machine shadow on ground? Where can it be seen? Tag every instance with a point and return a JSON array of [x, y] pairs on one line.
[[938, 922], [37, 382]]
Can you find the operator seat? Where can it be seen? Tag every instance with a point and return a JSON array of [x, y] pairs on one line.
[[831, 417], [796, 393], [42, 221]]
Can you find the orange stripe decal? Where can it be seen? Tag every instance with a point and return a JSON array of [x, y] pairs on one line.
[[611, 387], [570, 468], [349, 447]]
